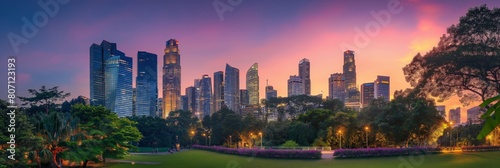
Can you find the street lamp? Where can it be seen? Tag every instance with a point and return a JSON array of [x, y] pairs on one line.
[[340, 144], [209, 141], [451, 129], [230, 140], [205, 135], [192, 136], [367, 130], [251, 139], [260, 133]]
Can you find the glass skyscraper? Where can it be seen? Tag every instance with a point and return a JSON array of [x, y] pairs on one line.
[[305, 75], [206, 95], [382, 87], [118, 85], [218, 90], [252, 84], [171, 77], [367, 93], [146, 84], [244, 97], [98, 56], [336, 86], [232, 88], [270, 92]]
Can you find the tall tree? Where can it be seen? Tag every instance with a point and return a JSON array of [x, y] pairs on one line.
[[43, 98], [466, 61]]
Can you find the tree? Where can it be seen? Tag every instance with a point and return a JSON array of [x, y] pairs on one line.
[[301, 133], [44, 98], [466, 61], [290, 143]]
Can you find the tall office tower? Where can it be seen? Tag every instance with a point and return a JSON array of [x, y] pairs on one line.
[[442, 110], [159, 107], [171, 77], [146, 83], [232, 88], [350, 77], [191, 99], [454, 116], [134, 101], [336, 87], [367, 93], [474, 115], [270, 92], [206, 95], [119, 85], [218, 90], [98, 56], [295, 86], [382, 86], [253, 84], [305, 75], [244, 97], [184, 103], [197, 95]]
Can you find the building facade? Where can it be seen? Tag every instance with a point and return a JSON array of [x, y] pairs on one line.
[[270, 92], [382, 87], [171, 77], [295, 86], [244, 97], [119, 92], [454, 116], [336, 87], [146, 83], [252, 84], [474, 115], [305, 75], [218, 99], [352, 92], [367, 94], [232, 88], [206, 95]]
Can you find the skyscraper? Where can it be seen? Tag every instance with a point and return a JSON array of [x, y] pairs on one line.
[[146, 83], [191, 99], [270, 92], [119, 85], [305, 75], [381, 87], [253, 84], [350, 77], [98, 56], [184, 103], [455, 116], [474, 115], [171, 77], [232, 88], [442, 110], [218, 90], [295, 86], [367, 94], [244, 97], [206, 95], [336, 87]]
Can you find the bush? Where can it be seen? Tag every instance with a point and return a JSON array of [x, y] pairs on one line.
[[290, 143], [265, 153], [382, 152], [480, 148]]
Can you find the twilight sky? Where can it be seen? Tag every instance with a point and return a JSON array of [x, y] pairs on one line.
[[275, 34]]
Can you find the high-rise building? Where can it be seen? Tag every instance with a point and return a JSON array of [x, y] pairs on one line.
[[305, 75], [350, 77], [474, 115], [205, 95], [455, 116], [98, 56], [118, 86], [295, 86], [382, 87], [367, 94], [253, 84], [270, 92], [191, 99], [218, 90], [336, 87], [159, 107], [171, 77], [232, 88], [134, 101], [146, 83], [184, 103], [442, 110], [244, 97]]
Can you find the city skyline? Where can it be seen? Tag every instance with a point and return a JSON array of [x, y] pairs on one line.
[[416, 29]]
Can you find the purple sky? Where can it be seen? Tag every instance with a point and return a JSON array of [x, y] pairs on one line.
[[275, 34]]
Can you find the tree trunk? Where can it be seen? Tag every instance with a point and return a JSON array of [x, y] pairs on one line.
[[54, 159], [37, 157], [85, 163]]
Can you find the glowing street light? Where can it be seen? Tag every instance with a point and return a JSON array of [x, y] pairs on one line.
[[367, 130], [260, 133], [340, 144], [451, 129]]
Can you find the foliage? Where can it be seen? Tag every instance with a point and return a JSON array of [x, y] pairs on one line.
[[466, 61], [44, 99], [290, 143], [383, 152], [266, 153], [492, 116]]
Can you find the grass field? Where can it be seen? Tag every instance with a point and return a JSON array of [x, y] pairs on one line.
[[205, 159]]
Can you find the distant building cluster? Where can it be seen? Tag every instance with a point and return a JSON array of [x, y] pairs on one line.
[[111, 85]]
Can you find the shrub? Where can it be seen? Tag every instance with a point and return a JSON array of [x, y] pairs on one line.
[[290, 143], [382, 152], [480, 148], [265, 153]]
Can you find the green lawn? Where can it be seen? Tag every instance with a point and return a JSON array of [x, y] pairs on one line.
[[205, 159]]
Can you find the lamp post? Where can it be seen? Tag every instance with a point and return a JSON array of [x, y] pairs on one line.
[[192, 136], [230, 140], [367, 130], [451, 129], [205, 135], [209, 141], [260, 133], [340, 144], [251, 139]]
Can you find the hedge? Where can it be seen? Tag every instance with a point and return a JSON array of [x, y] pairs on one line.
[[382, 152], [265, 153], [480, 148]]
